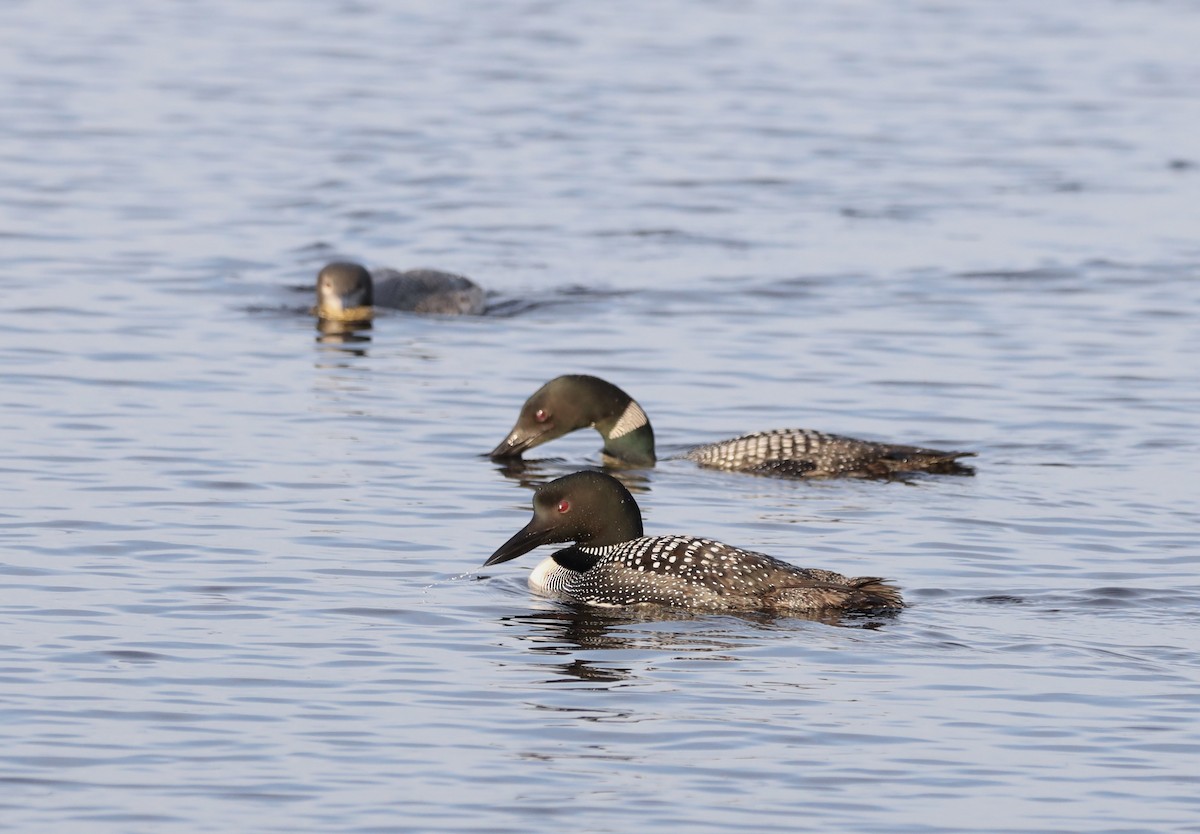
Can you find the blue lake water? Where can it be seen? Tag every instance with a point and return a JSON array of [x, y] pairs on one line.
[[240, 584]]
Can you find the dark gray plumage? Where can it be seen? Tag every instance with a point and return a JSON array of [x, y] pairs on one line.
[[348, 292]]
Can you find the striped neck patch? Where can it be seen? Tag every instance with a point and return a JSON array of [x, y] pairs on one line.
[[633, 418]]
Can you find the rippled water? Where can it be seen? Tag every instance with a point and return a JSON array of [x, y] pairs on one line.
[[240, 585]]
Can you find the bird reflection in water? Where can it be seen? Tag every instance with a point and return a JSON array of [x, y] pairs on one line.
[[332, 332], [720, 637], [533, 473]]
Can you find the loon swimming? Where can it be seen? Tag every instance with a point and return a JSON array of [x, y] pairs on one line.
[[613, 564], [572, 402], [347, 292]]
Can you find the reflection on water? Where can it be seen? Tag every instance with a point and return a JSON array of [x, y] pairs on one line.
[[572, 627], [538, 471], [343, 332], [528, 473]]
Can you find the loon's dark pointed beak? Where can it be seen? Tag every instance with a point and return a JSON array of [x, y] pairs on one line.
[[517, 442], [526, 539]]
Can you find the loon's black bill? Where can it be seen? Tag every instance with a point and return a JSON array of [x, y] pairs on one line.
[[513, 446], [525, 540]]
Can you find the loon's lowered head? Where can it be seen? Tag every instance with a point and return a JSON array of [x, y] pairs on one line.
[[345, 292], [567, 403], [577, 401]]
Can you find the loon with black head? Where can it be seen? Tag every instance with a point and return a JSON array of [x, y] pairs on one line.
[[613, 564], [348, 292], [577, 401]]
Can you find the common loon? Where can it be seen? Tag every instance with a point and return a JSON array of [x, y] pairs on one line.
[[347, 292], [577, 401], [613, 564]]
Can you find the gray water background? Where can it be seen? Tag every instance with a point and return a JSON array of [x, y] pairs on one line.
[[239, 566]]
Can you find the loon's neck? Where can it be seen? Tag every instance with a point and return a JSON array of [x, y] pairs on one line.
[[573, 558], [628, 436]]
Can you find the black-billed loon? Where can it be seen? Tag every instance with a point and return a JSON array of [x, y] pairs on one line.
[[613, 564], [347, 292], [576, 401]]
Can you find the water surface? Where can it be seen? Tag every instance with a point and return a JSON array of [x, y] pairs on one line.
[[240, 585]]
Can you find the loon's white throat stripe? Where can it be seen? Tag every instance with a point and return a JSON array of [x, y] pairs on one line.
[[633, 418]]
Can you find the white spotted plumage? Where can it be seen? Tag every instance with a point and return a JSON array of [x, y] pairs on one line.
[[812, 453], [689, 572], [613, 564]]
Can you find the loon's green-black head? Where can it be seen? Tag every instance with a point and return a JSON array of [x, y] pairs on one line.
[[577, 401], [588, 508], [344, 292]]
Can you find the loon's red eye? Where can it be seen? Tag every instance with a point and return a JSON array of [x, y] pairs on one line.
[[540, 415], [564, 505]]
